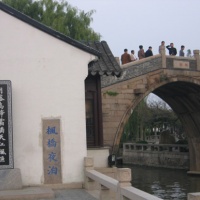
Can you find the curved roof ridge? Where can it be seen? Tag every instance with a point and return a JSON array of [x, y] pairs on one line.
[[107, 63]]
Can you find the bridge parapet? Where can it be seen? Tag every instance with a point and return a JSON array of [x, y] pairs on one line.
[[134, 69], [178, 62], [144, 66]]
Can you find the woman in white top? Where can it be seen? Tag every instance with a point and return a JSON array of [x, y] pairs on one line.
[[133, 57]]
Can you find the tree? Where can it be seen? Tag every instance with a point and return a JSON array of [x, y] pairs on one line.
[[60, 16], [148, 117], [136, 125]]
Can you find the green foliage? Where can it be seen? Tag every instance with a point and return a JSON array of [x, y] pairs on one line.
[[183, 141], [60, 16], [111, 93], [134, 126], [146, 117], [163, 78]]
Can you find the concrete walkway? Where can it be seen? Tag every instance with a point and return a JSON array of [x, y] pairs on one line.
[[37, 193]]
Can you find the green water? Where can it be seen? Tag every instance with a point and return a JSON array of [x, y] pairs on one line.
[[168, 184]]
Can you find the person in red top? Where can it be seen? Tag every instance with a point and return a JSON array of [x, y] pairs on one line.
[[125, 57]]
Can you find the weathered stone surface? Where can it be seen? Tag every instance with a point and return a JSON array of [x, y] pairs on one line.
[[51, 151], [135, 69], [30, 193], [88, 162], [124, 174], [157, 159], [10, 179], [194, 196]]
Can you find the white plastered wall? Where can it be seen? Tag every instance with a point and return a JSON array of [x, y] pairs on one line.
[[47, 78]]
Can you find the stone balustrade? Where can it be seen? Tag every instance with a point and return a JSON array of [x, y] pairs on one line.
[[118, 188], [155, 147], [157, 155], [110, 188]]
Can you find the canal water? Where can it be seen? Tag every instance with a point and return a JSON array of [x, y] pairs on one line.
[[168, 184]]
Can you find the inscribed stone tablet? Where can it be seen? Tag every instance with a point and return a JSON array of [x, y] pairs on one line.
[[181, 64], [51, 151], [6, 135]]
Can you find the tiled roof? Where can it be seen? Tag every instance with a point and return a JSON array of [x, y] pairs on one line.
[[106, 64]]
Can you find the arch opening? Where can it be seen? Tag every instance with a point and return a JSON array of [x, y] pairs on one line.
[[184, 99]]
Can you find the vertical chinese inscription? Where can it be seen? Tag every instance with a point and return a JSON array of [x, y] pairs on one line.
[[6, 135], [51, 151]]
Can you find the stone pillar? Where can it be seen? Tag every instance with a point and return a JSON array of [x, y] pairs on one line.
[[89, 184], [106, 194], [124, 177], [197, 57], [163, 57], [194, 152], [193, 196]]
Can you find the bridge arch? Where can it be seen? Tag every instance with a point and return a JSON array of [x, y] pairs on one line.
[[182, 96], [179, 88]]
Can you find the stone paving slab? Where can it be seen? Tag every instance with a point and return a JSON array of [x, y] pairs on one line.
[[29, 193], [72, 194], [41, 193], [10, 179]]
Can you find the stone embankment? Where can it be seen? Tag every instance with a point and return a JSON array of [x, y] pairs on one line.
[[169, 156]]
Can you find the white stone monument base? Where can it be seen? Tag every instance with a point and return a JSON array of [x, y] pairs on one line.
[[10, 179]]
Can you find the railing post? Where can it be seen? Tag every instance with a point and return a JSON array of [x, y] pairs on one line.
[[106, 193], [124, 178], [193, 196], [163, 57], [89, 184], [197, 57]]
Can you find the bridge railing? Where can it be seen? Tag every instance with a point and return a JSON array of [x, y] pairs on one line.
[[110, 188], [127, 147], [152, 63], [119, 188]]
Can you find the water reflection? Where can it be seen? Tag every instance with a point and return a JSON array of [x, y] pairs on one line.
[[168, 184]]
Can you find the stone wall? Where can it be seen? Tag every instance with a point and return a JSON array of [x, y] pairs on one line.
[[174, 160]]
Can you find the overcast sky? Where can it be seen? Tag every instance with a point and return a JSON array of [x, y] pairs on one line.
[[130, 23]]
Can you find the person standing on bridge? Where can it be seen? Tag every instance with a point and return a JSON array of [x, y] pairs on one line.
[[172, 49], [160, 47], [181, 52], [149, 52], [141, 53], [133, 57], [125, 57]]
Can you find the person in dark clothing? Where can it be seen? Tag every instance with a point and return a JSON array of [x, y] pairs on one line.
[[149, 52], [172, 49], [181, 52]]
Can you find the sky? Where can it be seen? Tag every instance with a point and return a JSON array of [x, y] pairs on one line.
[[130, 23]]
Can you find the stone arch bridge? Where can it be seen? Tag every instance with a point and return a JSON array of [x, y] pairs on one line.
[[174, 79]]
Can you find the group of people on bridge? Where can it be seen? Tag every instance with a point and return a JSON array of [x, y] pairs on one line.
[[126, 57]]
